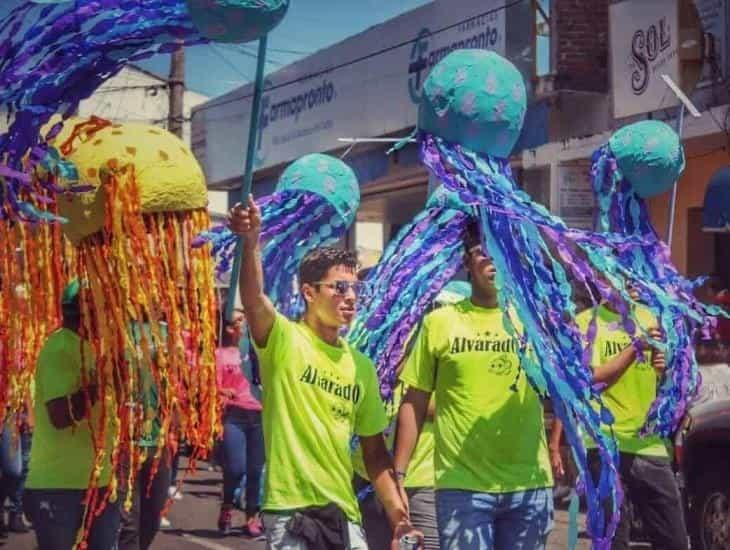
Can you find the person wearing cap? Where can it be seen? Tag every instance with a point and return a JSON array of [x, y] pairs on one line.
[[493, 477], [62, 458]]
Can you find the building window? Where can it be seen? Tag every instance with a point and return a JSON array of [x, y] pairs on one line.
[[542, 38]]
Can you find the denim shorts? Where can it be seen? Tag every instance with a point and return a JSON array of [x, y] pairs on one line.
[[500, 521]]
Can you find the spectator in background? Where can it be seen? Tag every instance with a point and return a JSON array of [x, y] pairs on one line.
[[243, 439]]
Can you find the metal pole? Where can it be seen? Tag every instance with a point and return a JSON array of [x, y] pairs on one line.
[[248, 173], [673, 200]]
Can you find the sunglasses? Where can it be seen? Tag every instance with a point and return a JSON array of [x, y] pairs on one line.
[[341, 288]]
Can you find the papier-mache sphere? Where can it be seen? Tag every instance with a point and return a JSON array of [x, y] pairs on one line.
[[168, 176], [650, 156], [236, 20], [476, 98], [443, 197], [328, 177]]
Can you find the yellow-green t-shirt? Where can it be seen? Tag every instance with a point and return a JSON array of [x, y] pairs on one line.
[[315, 397], [64, 459], [421, 471], [489, 437], [630, 398]]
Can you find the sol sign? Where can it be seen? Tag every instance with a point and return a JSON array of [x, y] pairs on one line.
[[644, 42]]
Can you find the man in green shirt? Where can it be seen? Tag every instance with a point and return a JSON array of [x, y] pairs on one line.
[[318, 392], [493, 479], [62, 457], [644, 466]]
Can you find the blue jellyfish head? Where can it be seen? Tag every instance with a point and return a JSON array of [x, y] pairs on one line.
[[236, 20], [475, 98], [649, 155], [329, 178]]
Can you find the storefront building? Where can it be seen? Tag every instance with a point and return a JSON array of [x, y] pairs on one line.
[[605, 63]]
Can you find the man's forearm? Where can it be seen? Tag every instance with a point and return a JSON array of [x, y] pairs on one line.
[[251, 277], [410, 424], [385, 484], [614, 368], [69, 410]]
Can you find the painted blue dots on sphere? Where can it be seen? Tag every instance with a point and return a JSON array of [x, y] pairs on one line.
[[475, 98], [650, 156], [329, 178]]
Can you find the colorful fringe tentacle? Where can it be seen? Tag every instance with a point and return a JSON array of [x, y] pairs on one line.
[[53, 57], [414, 268], [293, 223]]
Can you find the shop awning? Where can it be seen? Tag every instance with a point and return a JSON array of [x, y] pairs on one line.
[[716, 209]]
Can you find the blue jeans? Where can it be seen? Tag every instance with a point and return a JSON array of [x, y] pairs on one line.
[[494, 521], [243, 455], [14, 457], [57, 515]]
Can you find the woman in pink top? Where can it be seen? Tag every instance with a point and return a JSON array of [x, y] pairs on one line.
[[243, 439]]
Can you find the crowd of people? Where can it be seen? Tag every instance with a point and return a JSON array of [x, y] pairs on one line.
[[457, 459]]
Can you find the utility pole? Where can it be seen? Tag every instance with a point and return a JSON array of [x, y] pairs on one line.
[[176, 84]]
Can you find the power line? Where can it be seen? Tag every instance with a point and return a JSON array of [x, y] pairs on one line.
[[361, 58], [228, 62], [254, 54], [239, 47]]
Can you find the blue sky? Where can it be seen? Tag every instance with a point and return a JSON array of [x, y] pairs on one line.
[[308, 26]]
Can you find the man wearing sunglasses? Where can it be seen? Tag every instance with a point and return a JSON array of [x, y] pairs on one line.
[[493, 478], [318, 393]]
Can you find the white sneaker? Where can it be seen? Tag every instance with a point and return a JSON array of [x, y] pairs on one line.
[[174, 493], [165, 523]]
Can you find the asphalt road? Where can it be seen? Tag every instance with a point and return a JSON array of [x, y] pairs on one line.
[[194, 520]]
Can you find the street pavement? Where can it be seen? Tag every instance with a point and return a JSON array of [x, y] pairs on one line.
[[194, 522]]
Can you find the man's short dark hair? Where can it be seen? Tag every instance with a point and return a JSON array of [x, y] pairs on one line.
[[471, 236], [71, 310], [318, 262], [363, 273]]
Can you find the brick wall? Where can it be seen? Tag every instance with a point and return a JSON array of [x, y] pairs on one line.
[[581, 44]]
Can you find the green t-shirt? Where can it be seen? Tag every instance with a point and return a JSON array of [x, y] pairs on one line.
[[489, 437], [630, 398], [316, 396], [421, 471], [64, 459]]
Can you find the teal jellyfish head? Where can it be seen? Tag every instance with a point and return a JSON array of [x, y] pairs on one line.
[[328, 177], [650, 156], [475, 98], [442, 197], [236, 20]]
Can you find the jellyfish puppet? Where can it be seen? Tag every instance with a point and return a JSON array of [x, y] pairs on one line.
[[642, 160], [470, 117], [146, 294], [55, 54], [314, 204], [415, 267]]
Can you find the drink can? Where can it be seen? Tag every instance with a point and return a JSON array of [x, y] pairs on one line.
[[408, 542]]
